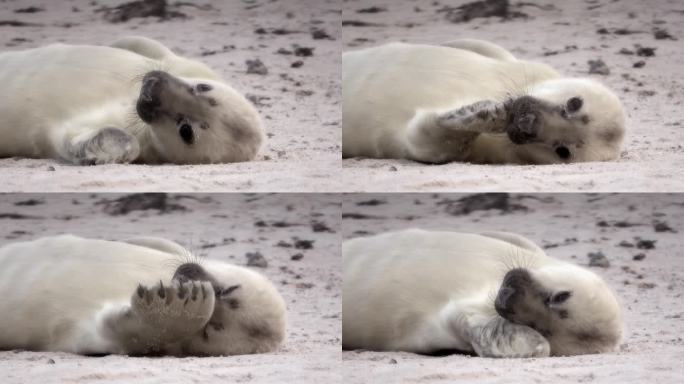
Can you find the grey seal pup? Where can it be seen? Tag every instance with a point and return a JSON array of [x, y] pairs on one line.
[[495, 294], [133, 101], [473, 101], [143, 296]]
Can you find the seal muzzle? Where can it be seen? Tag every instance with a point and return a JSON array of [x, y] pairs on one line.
[[149, 101], [524, 120]]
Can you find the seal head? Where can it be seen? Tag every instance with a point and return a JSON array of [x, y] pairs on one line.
[[566, 120], [571, 307], [197, 120]]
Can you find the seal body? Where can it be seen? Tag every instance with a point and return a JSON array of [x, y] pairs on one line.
[[494, 294], [472, 101], [134, 101], [144, 296]]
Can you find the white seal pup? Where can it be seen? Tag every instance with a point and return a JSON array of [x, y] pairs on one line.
[[495, 294], [473, 101], [134, 101], [143, 296]]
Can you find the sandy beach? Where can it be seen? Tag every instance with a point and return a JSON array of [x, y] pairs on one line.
[[650, 287], [565, 35], [298, 98], [224, 227]]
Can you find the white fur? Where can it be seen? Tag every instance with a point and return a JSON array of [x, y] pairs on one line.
[[56, 98], [393, 94], [423, 291], [67, 293]]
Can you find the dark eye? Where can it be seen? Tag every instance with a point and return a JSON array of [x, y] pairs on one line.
[[203, 87], [186, 133], [563, 152], [574, 104], [220, 292], [560, 297]]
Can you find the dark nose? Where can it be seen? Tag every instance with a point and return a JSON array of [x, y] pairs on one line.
[[526, 122], [523, 129], [149, 101], [151, 85], [502, 302]]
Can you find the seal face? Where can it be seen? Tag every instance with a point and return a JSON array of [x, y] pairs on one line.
[[566, 120], [523, 301], [129, 112], [163, 96], [563, 313], [495, 294], [526, 116], [198, 120], [523, 120], [473, 101]]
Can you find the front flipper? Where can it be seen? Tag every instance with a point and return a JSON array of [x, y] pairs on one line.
[[448, 135], [502, 338], [107, 145], [484, 116], [160, 315]]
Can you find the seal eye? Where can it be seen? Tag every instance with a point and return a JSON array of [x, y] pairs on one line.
[[560, 297], [574, 104], [203, 87], [186, 133], [563, 152], [224, 292]]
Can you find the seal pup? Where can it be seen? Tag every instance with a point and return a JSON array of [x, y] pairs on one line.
[[495, 294], [134, 101], [472, 101], [138, 297]]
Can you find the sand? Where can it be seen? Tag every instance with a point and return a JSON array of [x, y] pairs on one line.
[[568, 226], [564, 34], [218, 226], [300, 106]]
